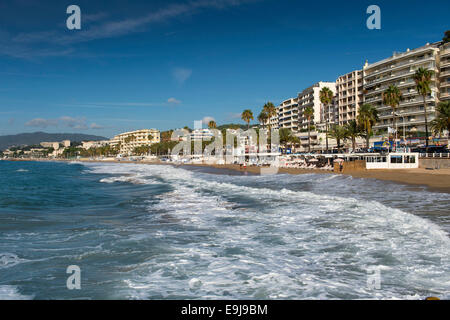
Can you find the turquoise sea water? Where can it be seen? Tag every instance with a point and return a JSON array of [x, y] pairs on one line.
[[160, 232]]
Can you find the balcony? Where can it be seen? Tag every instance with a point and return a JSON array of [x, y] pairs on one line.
[[400, 65]]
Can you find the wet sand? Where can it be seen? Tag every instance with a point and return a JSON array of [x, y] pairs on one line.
[[437, 180]]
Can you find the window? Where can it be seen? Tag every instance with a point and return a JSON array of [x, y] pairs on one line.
[[396, 159]]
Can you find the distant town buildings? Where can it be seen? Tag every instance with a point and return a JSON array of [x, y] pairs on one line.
[[126, 142]]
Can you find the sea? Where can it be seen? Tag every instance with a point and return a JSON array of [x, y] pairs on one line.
[[138, 231]]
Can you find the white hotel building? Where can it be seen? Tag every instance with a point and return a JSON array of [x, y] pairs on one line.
[[288, 114], [310, 97], [444, 76], [128, 141], [349, 96], [399, 70]]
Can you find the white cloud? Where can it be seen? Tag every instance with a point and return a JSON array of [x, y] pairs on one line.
[[20, 45], [42, 123], [181, 74], [96, 126], [206, 120], [173, 101], [75, 123], [65, 121]]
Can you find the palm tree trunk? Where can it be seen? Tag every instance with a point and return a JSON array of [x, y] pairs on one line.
[[367, 137], [309, 138], [395, 128], [326, 134], [426, 122]]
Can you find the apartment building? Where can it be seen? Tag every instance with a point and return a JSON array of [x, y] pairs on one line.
[[128, 141], [201, 135], [399, 70], [310, 97], [272, 121], [444, 76], [288, 114], [349, 96]]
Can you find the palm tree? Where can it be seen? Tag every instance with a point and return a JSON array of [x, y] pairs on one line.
[[339, 133], [422, 77], [446, 36], [247, 116], [326, 97], [442, 120], [270, 110], [367, 117], [308, 113], [353, 132], [392, 97], [212, 124], [262, 118]]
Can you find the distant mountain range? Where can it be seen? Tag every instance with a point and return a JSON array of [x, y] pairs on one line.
[[38, 137]]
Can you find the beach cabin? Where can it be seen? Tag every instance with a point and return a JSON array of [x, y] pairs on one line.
[[393, 161]]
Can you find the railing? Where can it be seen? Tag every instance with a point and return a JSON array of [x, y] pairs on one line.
[[435, 155]]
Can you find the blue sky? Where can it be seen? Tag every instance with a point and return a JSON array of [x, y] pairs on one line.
[[164, 64]]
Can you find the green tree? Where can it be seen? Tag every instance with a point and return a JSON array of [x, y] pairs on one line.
[[367, 118], [326, 97], [422, 77], [270, 110], [392, 97], [446, 36], [353, 132], [309, 113], [212, 124], [442, 120], [340, 134], [247, 116], [262, 118]]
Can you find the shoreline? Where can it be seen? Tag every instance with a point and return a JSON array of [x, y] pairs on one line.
[[435, 180]]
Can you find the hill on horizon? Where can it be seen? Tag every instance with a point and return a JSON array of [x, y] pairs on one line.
[[35, 138]]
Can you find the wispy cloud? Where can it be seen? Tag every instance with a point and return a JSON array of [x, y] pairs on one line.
[[181, 74], [122, 105], [65, 121], [207, 119], [173, 101], [96, 126], [42, 123], [22, 45]]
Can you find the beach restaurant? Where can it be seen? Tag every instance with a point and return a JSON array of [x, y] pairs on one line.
[[393, 161]]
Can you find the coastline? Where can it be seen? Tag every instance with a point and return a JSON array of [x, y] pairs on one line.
[[435, 180]]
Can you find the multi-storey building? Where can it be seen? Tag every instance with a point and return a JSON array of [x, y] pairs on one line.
[[288, 114], [128, 141], [310, 97], [399, 70], [201, 135], [444, 76], [349, 96]]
